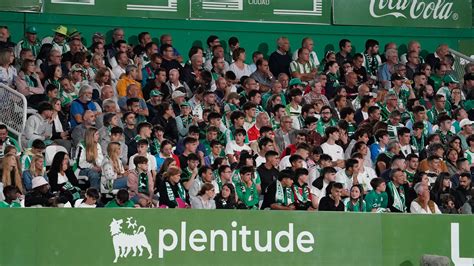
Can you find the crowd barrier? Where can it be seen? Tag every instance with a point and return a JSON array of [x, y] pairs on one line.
[[200, 237], [13, 110]]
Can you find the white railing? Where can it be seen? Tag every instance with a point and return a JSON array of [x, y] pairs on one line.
[[460, 61], [13, 106]]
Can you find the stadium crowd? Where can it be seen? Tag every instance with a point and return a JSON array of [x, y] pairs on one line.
[[144, 126]]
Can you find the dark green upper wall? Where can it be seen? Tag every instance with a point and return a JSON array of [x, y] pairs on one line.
[[252, 36]]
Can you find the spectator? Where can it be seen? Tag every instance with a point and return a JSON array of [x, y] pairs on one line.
[[422, 204], [121, 200], [89, 157], [172, 193], [11, 173], [39, 125], [62, 179], [11, 194], [36, 169], [204, 198], [226, 198], [81, 104], [332, 201], [140, 182]]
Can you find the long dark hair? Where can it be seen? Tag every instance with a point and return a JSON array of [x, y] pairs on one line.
[[57, 162], [360, 200], [438, 184], [231, 195]]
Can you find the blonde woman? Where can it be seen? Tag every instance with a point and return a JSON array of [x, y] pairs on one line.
[[89, 157], [11, 173], [114, 175], [36, 169]]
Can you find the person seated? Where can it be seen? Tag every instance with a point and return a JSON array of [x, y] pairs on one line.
[[302, 194], [172, 192], [114, 175], [422, 204], [41, 195], [121, 200], [377, 199], [205, 176], [279, 195], [36, 169], [204, 198], [140, 182], [226, 199], [332, 201], [355, 202], [39, 125], [89, 157], [90, 199], [246, 189], [12, 194], [62, 178]]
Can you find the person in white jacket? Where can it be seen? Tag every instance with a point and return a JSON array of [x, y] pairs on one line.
[[39, 125], [89, 157]]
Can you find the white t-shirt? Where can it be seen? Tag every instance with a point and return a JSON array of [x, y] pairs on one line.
[[260, 160], [240, 72], [285, 163], [62, 179], [232, 148], [335, 151], [80, 204], [151, 162]]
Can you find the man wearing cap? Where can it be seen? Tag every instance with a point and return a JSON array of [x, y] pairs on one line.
[[178, 97], [29, 42], [155, 100], [403, 92], [58, 40], [466, 131], [450, 83]]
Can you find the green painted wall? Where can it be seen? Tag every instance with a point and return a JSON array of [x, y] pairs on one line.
[[253, 36]]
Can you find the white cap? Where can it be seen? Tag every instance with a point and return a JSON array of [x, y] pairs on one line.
[[38, 181], [465, 122], [177, 93]]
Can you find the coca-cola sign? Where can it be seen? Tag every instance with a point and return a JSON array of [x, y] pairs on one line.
[[414, 9], [406, 13]]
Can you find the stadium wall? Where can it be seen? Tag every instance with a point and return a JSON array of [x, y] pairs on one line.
[[229, 237], [253, 36]]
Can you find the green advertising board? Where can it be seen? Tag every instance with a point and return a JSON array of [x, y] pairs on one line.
[[404, 13], [168, 9], [278, 11], [200, 237], [21, 5]]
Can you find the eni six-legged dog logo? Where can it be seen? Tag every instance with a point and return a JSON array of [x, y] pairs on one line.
[[126, 242]]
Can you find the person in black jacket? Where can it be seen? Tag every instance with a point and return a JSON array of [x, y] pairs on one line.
[[41, 195], [166, 119], [62, 178], [333, 201], [226, 199]]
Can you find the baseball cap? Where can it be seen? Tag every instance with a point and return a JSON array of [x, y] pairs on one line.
[[156, 93], [396, 76], [177, 93], [295, 81], [98, 35], [32, 30], [465, 122], [185, 104], [77, 67], [450, 79]]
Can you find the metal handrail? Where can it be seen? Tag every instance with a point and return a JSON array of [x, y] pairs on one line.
[[10, 124], [463, 56]]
